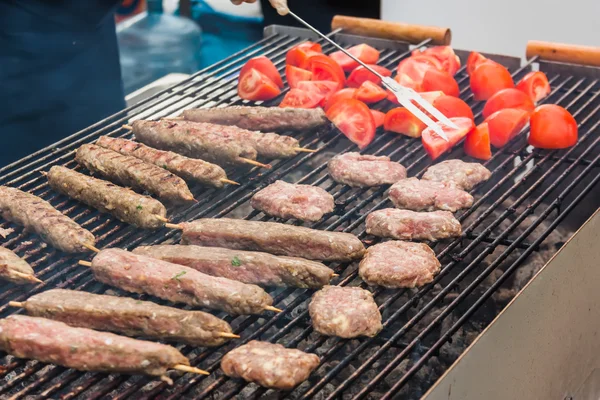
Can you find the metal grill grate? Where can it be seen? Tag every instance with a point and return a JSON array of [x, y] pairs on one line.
[[530, 195]]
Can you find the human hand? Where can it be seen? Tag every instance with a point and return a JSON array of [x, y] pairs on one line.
[[279, 5]]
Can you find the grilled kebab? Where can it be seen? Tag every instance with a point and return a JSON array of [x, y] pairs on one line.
[[133, 172], [125, 204], [272, 237], [458, 173], [190, 169], [421, 195], [39, 216], [264, 119], [412, 225], [15, 269], [142, 274], [363, 170], [270, 365], [257, 268], [127, 316]]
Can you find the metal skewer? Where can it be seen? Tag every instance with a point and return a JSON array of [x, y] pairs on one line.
[[405, 95]]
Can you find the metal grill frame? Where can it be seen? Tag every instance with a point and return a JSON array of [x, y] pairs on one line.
[[542, 183]]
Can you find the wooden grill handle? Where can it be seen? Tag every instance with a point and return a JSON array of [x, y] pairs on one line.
[[568, 53], [392, 30]]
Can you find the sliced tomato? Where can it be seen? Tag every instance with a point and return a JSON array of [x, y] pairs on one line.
[[431, 97], [440, 80], [378, 117], [354, 119], [445, 55], [535, 85], [505, 124], [360, 74], [323, 88], [363, 52], [508, 98], [411, 70], [256, 86], [475, 60], [297, 98], [408, 82], [552, 127], [488, 79], [436, 145], [295, 75], [265, 66], [324, 68], [347, 93], [477, 143], [369, 93], [312, 46], [299, 55], [452, 106], [402, 121]]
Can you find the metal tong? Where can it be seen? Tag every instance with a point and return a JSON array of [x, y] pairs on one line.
[[405, 95]]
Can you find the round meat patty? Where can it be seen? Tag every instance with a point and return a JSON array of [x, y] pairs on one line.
[[397, 264], [458, 173], [347, 312], [363, 170], [420, 195]]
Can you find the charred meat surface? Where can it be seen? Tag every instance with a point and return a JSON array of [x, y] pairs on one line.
[[133, 172], [84, 349], [264, 119], [346, 312], [128, 316], [252, 267], [363, 170], [287, 200], [274, 238], [191, 169], [413, 225], [270, 365], [398, 264], [458, 173], [39, 216], [421, 195], [15, 269], [125, 204], [268, 144], [191, 142], [141, 274]]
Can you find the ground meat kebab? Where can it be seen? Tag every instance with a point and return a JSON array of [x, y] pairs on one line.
[[288, 200], [363, 170], [125, 204], [264, 119], [253, 267], [412, 225], [458, 173], [346, 312], [399, 264], [274, 238], [15, 269], [270, 365], [421, 195], [39, 216], [128, 316]]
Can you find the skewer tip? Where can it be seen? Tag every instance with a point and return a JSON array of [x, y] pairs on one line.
[[255, 163], [91, 247], [161, 218], [166, 379], [188, 368], [44, 173], [335, 275], [228, 335], [128, 127], [16, 304], [303, 150], [27, 277], [229, 181], [84, 263], [174, 226], [275, 309]]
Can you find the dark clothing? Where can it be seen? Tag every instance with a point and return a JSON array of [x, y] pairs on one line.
[[59, 71]]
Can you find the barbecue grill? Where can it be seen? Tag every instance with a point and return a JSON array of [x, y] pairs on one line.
[[531, 206]]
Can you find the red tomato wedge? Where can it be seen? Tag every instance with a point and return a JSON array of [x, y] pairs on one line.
[[324, 68], [347, 93], [295, 75], [363, 52], [439, 80], [452, 106], [255, 86], [505, 124], [508, 98], [436, 145], [445, 55], [263, 65], [535, 85], [354, 119], [299, 55], [378, 117], [297, 98], [488, 79], [408, 82], [552, 127], [360, 74], [475, 60], [411, 71], [402, 121], [322, 88], [369, 92], [477, 143], [431, 97]]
